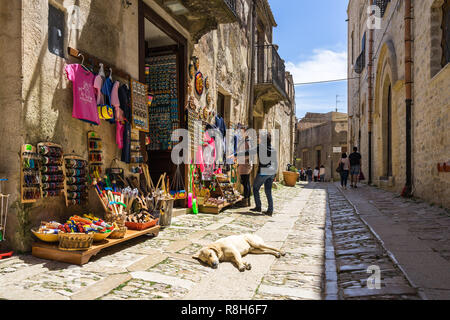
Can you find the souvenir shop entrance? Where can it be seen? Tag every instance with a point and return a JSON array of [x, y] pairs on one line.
[[163, 52]]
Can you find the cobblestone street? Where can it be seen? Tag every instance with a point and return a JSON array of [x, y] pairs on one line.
[[328, 248]]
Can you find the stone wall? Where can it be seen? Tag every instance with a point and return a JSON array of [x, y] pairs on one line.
[[431, 99], [224, 58]]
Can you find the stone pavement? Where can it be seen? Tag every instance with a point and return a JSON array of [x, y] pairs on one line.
[[330, 237], [416, 234], [358, 254], [162, 267]]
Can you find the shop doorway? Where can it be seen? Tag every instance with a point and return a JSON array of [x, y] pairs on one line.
[[163, 56]]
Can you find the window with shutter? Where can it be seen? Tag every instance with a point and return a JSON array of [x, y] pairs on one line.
[[56, 31]]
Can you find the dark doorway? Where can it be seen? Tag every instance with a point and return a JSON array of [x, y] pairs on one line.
[[389, 133], [319, 158], [221, 105], [162, 58]]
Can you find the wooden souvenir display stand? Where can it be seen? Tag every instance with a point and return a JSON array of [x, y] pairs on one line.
[[219, 192], [75, 185], [51, 252], [30, 178]]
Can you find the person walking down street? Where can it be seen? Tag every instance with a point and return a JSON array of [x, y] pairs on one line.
[[316, 174], [267, 170], [355, 167], [344, 169], [322, 173], [309, 173]]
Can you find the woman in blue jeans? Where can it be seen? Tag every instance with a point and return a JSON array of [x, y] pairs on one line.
[[344, 166], [267, 170]]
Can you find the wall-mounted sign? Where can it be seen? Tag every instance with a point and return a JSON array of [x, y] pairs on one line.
[[337, 149], [199, 83]]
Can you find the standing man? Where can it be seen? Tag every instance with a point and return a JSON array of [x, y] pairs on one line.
[[355, 167], [309, 173], [267, 170]]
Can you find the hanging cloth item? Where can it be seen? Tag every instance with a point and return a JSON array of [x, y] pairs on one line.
[[84, 100], [106, 111]]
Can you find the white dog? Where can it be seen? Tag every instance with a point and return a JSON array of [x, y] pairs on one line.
[[233, 248]]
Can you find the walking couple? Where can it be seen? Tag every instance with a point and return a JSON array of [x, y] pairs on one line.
[[267, 169], [350, 166]]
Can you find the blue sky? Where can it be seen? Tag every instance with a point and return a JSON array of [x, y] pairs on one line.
[[312, 36]]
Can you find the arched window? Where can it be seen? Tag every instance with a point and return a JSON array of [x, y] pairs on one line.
[[440, 35]]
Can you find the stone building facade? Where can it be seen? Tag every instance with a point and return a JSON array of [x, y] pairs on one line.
[[317, 137], [378, 118], [36, 96]]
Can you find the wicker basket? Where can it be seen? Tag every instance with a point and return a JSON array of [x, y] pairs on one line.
[[112, 218], [118, 233], [141, 226], [75, 241]]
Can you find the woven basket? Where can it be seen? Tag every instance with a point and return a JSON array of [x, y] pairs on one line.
[[118, 233], [75, 241], [112, 218], [141, 226]]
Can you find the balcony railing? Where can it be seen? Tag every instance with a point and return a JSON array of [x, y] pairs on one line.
[[382, 4], [270, 67]]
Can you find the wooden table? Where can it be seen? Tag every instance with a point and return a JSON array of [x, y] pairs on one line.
[[50, 251]]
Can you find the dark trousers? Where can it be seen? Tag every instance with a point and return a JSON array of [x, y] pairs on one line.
[[344, 178], [245, 181], [267, 181]]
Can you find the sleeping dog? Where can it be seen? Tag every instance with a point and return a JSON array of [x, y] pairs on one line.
[[233, 248]]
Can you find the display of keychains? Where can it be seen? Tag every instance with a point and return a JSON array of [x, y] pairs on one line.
[[75, 187], [52, 174], [136, 154], [30, 179], [140, 101], [95, 157], [162, 81]]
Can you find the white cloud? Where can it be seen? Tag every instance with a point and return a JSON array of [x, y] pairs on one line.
[[322, 65]]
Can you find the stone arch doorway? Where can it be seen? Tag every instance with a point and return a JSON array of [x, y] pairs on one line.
[[386, 129], [387, 148]]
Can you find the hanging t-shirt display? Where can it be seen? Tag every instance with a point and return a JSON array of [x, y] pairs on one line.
[[84, 99]]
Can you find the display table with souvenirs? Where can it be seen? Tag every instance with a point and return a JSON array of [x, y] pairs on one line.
[[130, 210], [217, 195]]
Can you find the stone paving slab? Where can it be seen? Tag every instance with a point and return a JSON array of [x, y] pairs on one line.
[[297, 293], [98, 289]]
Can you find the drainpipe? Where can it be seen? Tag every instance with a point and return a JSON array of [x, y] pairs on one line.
[[407, 190], [370, 107], [252, 67]]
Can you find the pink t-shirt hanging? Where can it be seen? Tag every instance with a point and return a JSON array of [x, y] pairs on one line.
[[115, 102], [98, 84], [84, 100]]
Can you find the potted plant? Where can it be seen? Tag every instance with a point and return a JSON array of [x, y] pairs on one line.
[[291, 176]]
